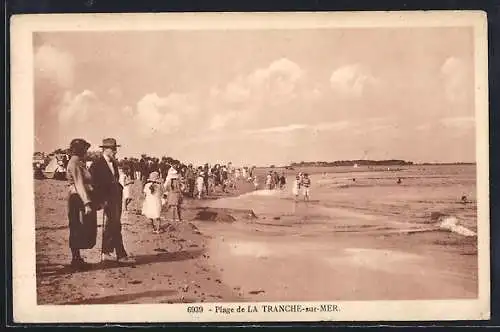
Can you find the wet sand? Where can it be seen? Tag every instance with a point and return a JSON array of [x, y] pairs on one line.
[[260, 247]]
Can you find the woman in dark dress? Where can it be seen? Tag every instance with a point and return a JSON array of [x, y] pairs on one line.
[[82, 214]]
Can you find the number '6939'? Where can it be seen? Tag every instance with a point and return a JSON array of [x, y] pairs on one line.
[[195, 309]]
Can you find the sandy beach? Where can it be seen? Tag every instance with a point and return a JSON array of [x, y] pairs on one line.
[[368, 239]]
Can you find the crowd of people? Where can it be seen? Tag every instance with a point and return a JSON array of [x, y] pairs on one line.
[[194, 182], [102, 182]]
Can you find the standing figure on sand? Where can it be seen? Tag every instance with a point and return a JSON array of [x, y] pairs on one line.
[[126, 181], [269, 181], [174, 198], [151, 207], [81, 206], [306, 183], [108, 193], [255, 182], [282, 181], [302, 181], [200, 182]]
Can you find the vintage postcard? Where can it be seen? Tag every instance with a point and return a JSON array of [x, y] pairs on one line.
[[250, 167]]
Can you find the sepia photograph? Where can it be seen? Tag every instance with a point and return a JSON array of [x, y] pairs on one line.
[[250, 167]]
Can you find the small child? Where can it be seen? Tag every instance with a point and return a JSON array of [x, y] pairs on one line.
[[151, 207], [255, 182], [174, 198], [127, 182], [296, 187], [306, 183]]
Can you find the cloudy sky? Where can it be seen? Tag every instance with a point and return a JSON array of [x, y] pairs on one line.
[[260, 97]]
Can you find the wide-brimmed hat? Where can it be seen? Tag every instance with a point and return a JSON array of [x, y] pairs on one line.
[[109, 143], [154, 176], [78, 145]]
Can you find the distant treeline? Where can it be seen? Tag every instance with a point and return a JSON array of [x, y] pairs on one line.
[[391, 162]]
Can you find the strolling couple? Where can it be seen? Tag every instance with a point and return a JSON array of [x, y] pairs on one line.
[[90, 190]]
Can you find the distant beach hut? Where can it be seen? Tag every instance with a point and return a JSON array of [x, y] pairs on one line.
[[55, 168]]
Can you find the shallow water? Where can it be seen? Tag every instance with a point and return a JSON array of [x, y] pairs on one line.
[[373, 202], [367, 239]]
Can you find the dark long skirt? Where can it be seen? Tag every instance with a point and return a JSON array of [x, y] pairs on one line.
[[82, 227]]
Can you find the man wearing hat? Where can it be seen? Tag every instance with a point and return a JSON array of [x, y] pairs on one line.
[[108, 192]]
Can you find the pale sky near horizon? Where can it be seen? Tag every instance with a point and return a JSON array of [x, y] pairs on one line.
[[261, 97]]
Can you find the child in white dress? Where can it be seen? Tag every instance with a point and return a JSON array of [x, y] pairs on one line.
[[151, 207]]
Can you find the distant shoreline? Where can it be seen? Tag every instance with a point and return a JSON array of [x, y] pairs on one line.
[[364, 163]]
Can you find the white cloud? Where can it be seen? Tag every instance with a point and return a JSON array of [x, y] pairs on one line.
[[220, 121], [55, 65], [237, 92], [351, 80], [274, 83], [280, 129], [280, 73], [154, 114], [181, 103], [77, 107], [453, 72], [250, 97], [339, 125], [326, 126]]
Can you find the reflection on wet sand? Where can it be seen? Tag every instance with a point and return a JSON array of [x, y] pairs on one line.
[[348, 239]]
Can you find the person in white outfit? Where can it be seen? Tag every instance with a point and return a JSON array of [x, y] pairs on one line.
[[126, 181], [269, 181], [199, 184], [151, 207]]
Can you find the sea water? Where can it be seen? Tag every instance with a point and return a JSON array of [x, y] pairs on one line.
[[371, 201]]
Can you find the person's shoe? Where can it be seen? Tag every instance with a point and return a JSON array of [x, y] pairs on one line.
[[126, 260], [79, 264], [107, 257]]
